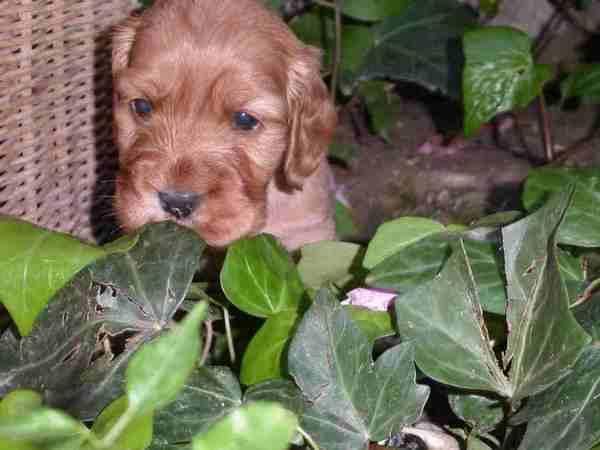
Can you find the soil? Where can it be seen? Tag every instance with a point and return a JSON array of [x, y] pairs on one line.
[[429, 169]]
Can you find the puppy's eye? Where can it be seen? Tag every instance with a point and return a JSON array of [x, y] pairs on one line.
[[245, 121], [141, 107]]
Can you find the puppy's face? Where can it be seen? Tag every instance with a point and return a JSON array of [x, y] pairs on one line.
[[208, 111]]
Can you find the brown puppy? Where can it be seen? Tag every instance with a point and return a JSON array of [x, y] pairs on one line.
[[222, 123]]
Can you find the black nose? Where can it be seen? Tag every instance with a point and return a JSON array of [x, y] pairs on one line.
[[179, 204]]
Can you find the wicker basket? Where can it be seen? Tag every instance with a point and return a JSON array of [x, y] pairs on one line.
[[57, 160]]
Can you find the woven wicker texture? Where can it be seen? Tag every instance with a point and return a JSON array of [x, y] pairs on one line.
[[57, 160]]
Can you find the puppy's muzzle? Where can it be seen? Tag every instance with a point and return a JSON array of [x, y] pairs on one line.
[[179, 204]]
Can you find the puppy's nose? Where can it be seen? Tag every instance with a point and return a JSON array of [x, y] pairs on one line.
[[179, 204]]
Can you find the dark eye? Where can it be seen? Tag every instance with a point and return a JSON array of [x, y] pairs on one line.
[[244, 121], [141, 107]]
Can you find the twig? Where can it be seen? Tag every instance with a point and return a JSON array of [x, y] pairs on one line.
[[228, 335], [207, 341], [544, 120], [587, 293], [307, 438]]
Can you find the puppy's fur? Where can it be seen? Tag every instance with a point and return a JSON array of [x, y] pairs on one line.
[[197, 63]]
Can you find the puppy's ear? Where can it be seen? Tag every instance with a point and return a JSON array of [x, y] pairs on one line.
[[123, 37], [312, 118]]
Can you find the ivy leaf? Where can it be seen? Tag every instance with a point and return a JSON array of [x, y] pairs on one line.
[[327, 262], [444, 317], [581, 225], [421, 45], [257, 426], [208, 395], [351, 399], [260, 278], [136, 436], [488, 271], [135, 292], [482, 413], [544, 338], [158, 371], [284, 392], [35, 263], [584, 83], [588, 316], [568, 414], [499, 74], [373, 10], [382, 105], [397, 234], [265, 357]]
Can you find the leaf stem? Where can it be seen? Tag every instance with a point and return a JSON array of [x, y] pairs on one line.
[[228, 334], [587, 293], [307, 438], [545, 128], [109, 440]]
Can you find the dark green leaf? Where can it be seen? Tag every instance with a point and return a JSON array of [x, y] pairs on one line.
[[567, 416], [544, 339], [488, 268], [373, 10], [136, 436], [134, 292], [209, 394], [351, 399], [284, 392], [421, 45], [265, 357], [327, 262], [482, 413], [382, 105], [257, 426], [581, 226], [158, 371], [499, 74], [588, 316], [260, 278], [444, 317], [584, 83]]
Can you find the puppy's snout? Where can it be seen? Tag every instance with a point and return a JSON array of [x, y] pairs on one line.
[[179, 204]]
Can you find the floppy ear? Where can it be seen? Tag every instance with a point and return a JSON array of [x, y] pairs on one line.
[[123, 37], [312, 118]]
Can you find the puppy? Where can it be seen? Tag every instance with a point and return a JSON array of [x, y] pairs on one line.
[[222, 123]]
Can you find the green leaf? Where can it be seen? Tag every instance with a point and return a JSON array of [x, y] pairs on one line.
[[136, 436], [373, 324], [327, 262], [499, 74], [584, 83], [544, 339], [488, 271], [42, 426], [373, 10], [19, 402], [257, 426], [568, 414], [68, 355], [421, 45], [383, 106], [344, 223], [444, 317], [357, 40], [581, 226], [284, 392], [412, 265], [397, 234], [265, 357], [157, 372], [260, 278], [208, 395], [482, 413], [35, 263], [351, 399]]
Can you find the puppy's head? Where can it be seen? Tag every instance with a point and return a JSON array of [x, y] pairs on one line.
[[212, 102]]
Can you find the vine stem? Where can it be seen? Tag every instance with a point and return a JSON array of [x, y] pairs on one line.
[[336, 5], [544, 119], [587, 293], [229, 335], [307, 438]]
